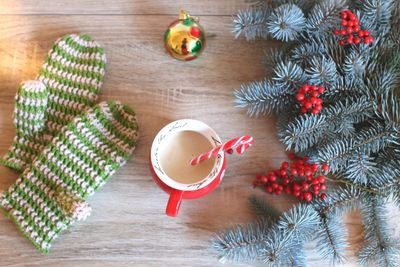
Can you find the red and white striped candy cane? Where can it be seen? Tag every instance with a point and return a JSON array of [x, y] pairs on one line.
[[240, 143]]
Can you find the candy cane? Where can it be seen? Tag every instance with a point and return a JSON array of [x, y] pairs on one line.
[[240, 143]]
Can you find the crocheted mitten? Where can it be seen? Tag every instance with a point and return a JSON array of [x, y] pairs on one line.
[[72, 74], [51, 193]]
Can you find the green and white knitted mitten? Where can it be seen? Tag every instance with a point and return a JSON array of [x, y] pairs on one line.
[[68, 83], [51, 193]]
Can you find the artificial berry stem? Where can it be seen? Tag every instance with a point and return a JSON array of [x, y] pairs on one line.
[[351, 32], [308, 96], [299, 178]]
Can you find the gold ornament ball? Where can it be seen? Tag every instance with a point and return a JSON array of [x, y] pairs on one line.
[[185, 39]]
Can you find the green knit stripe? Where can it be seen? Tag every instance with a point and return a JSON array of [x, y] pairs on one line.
[[74, 81], [119, 115], [51, 193], [48, 217], [88, 98], [86, 71]]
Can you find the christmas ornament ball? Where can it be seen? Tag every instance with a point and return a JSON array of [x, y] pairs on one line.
[[185, 39]]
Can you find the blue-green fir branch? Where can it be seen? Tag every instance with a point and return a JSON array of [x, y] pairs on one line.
[[324, 15], [286, 22], [263, 98], [251, 23], [380, 248]]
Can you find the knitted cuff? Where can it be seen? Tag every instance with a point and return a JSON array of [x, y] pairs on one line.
[[51, 193], [29, 121], [72, 74]]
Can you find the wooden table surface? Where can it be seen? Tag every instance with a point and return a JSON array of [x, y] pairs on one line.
[[128, 226]]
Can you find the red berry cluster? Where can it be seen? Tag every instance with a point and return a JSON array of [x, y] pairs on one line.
[[351, 32], [308, 96], [300, 178]]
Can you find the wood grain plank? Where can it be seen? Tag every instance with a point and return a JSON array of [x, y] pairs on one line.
[[128, 226], [137, 7]]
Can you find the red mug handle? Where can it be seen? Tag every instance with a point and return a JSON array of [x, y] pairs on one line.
[[174, 203]]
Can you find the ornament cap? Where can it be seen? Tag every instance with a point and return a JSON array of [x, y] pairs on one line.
[[183, 14]]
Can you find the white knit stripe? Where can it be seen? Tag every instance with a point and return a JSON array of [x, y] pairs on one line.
[[80, 55], [30, 211], [82, 42], [39, 200], [29, 115], [14, 161], [4, 202], [60, 115], [68, 63], [53, 177], [92, 69], [33, 86], [74, 140], [26, 125], [26, 228], [24, 154], [33, 145], [29, 101], [68, 89], [51, 157], [127, 132], [107, 134], [89, 171], [67, 103], [93, 139], [83, 81]]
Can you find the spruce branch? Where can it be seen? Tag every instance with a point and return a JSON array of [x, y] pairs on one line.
[[251, 23], [322, 71], [286, 22], [324, 15], [263, 98]]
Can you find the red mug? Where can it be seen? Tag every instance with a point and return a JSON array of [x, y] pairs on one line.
[[178, 190]]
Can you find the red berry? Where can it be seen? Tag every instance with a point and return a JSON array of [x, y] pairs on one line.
[[325, 167], [361, 33], [285, 165], [297, 193], [300, 96], [293, 171], [275, 185], [356, 29], [283, 173], [344, 15], [321, 90], [316, 187], [278, 192], [349, 30], [323, 187], [306, 88], [306, 158], [341, 42], [321, 179], [307, 196], [349, 40], [336, 32], [303, 110], [344, 23], [305, 186], [308, 105], [286, 181], [314, 111], [288, 190], [315, 94], [357, 40], [269, 189], [323, 196], [313, 87], [272, 178], [366, 33], [343, 32], [315, 181], [350, 24], [296, 187], [352, 17], [292, 156]]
